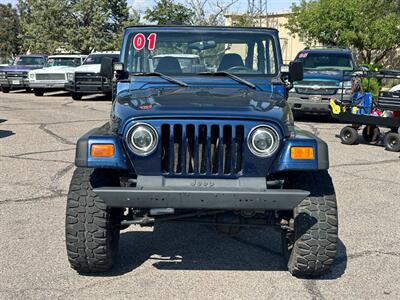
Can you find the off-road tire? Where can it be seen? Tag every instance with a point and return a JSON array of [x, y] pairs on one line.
[[91, 228], [392, 142], [5, 90], [371, 134], [76, 96], [348, 135], [314, 240], [38, 92]]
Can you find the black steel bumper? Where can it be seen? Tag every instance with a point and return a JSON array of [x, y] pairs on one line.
[[193, 198], [89, 88], [9, 83]]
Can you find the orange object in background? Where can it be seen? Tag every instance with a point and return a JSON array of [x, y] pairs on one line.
[[102, 150], [302, 153]]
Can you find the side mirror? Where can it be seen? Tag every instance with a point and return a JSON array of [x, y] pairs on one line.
[[296, 71], [106, 69]]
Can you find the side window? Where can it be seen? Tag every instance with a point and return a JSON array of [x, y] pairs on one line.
[[271, 63]]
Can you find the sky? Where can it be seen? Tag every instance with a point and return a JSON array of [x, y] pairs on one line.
[[241, 6]]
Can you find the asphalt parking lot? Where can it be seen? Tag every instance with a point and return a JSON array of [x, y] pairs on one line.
[[37, 137]]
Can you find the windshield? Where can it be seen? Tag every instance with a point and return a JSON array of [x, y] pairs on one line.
[[185, 53], [64, 61], [29, 61], [326, 61], [96, 58]]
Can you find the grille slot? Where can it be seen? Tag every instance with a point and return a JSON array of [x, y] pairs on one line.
[[89, 78], [50, 76], [198, 149]]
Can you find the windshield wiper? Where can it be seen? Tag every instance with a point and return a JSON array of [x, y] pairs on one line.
[[163, 76], [230, 75]]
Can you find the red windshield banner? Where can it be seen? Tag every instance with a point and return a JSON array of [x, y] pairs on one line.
[[139, 41]]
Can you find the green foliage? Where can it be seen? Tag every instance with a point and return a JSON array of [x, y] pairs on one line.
[[74, 25], [166, 11], [44, 24], [9, 28], [369, 26], [373, 85]]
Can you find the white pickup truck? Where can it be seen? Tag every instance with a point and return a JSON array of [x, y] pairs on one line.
[[55, 75]]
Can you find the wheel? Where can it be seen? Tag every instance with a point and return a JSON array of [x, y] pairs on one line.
[[6, 90], [38, 92], [76, 96], [28, 90], [311, 246], [349, 135], [392, 142], [371, 134], [91, 228]]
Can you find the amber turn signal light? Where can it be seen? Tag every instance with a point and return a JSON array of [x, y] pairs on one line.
[[302, 153], [102, 150]]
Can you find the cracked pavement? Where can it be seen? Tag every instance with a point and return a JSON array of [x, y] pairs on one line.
[[172, 261]]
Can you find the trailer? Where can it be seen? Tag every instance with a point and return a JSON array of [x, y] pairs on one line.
[[370, 113]]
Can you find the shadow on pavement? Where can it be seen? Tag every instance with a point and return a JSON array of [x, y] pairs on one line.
[[314, 118], [6, 133], [100, 97], [187, 246]]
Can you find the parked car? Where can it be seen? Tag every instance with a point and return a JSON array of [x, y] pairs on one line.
[[396, 88], [217, 148], [327, 73], [86, 79], [54, 75], [15, 76]]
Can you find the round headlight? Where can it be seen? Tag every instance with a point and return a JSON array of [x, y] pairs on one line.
[[263, 140], [142, 139]]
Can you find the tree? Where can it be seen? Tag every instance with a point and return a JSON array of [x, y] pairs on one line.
[[166, 11], [74, 25], [98, 24], [209, 12], [9, 29], [44, 24], [369, 26]]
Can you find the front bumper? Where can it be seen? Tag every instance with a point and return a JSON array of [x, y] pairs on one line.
[[313, 103], [74, 87], [191, 198], [14, 83], [232, 194]]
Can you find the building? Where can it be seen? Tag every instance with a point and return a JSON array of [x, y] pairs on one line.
[[290, 45]]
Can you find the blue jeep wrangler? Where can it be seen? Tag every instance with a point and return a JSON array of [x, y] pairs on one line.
[[327, 75], [213, 142]]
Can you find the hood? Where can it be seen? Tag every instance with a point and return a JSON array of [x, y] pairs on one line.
[[327, 75], [95, 68], [55, 69], [21, 68], [200, 102]]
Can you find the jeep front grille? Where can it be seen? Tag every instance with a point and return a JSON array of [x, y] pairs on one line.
[[50, 76], [197, 149]]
